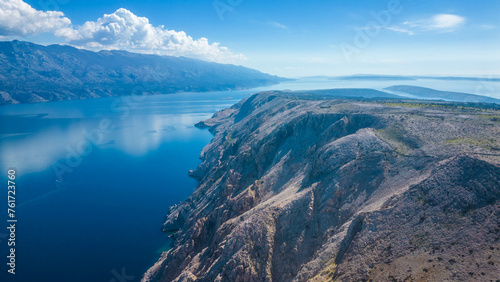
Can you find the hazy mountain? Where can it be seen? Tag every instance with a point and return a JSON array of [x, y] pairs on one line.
[[428, 93], [326, 189], [401, 77], [373, 77], [469, 78], [35, 73], [346, 93]]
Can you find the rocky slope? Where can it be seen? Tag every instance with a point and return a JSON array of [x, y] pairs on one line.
[[296, 187], [35, 73]]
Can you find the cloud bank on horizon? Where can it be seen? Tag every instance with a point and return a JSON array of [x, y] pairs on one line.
[[121, 30]]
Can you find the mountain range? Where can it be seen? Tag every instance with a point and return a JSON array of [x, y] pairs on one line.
[[35, 73]]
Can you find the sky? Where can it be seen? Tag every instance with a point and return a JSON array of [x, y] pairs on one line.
[[290, 38]]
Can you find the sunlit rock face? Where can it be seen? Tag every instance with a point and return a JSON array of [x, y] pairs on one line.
[[294, 187]]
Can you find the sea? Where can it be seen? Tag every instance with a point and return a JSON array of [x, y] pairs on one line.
[[94, 179]]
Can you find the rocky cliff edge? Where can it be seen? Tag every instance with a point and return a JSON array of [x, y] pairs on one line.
[[298, 188]]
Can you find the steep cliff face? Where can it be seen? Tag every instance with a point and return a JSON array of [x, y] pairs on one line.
[[297, 188]]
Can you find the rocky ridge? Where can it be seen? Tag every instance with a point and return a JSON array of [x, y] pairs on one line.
[[305, 188]]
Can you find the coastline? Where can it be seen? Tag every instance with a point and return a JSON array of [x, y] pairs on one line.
[[280, 168]]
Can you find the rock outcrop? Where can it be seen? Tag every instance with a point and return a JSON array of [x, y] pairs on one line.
[[298, 188]]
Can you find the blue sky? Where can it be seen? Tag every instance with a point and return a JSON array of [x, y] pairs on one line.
[[289, 38]]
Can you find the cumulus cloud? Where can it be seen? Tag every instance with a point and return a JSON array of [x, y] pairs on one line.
[[124, 30], [19, 18], [121, 30]]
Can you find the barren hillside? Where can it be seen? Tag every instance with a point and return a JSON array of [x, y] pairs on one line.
[[294, 187]]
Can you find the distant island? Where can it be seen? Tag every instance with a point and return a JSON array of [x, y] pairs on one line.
[[428, 93], [396, 92], [372, 77], [35, 73], [407, 77]]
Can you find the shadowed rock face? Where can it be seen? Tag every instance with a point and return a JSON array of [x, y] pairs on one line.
[[294, 188]]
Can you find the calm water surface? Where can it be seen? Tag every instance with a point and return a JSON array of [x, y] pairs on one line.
[[96, 177]]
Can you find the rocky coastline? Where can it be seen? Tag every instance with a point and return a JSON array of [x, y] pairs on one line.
[[306, 188]]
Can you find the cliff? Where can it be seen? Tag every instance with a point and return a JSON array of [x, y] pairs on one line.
[[34, 73], [296, 187]]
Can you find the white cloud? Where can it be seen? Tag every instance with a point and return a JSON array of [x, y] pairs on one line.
[[125, 31], [446, 21], [440, 22], [277, 25], [487, 26], [19, 18], [397, 29], [121, 30]]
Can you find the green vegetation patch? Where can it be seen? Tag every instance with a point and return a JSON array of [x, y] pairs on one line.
[[411, 105], [491, 117], [326, 274], [401, 140], [483, 142], [449, 105]]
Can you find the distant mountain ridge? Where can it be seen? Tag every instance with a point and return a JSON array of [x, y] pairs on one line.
[[410, 77], [397, 92], [35, 73], [347, 93], [428, 93], [372, 77]]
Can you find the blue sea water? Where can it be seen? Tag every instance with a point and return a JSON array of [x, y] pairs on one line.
[[95, 178], [90, 205]]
